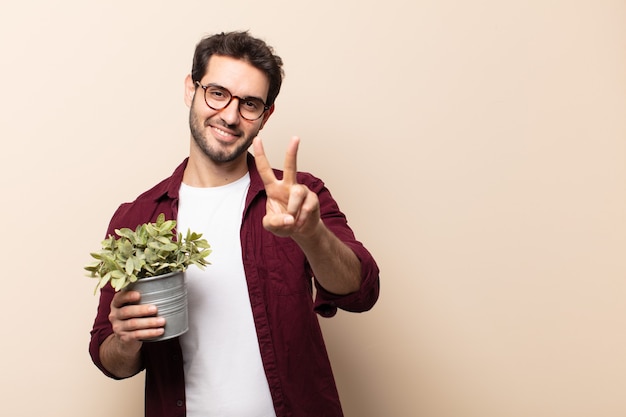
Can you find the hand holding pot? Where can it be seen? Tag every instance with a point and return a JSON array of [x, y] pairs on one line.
[[133, 322]]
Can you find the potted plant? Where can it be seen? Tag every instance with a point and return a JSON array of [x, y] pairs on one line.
[[152, 259]]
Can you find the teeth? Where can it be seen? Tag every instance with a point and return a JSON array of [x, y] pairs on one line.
[[221, 132]]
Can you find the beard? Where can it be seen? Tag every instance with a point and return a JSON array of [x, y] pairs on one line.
[[215, 153]]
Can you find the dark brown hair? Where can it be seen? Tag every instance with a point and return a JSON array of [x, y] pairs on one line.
[[240, 45]]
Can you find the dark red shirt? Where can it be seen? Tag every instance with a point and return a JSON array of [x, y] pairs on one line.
[[280, 285]]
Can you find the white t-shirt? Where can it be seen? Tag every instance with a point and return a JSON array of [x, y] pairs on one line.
[[224, 374]]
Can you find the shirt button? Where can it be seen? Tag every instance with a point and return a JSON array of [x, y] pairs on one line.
[[179, 403]]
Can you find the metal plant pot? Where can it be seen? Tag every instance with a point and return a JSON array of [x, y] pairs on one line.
[[169, 293]]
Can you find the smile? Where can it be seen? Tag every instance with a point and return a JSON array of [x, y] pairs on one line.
[[223, 133]]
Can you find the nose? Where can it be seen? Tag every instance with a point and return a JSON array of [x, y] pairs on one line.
[[230, 113]]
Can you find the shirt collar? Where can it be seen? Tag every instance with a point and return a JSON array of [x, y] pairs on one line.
[[170, 188]]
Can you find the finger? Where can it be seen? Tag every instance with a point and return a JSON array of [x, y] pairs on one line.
[[291, 157], [123, 298], [262, 164], [143, 324], [279, 224], [276, 217], [138, 330], [149, 333], [136, 311], [309, 210], [297, 195]]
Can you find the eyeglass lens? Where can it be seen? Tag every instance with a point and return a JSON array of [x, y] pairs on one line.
[[218, 98]]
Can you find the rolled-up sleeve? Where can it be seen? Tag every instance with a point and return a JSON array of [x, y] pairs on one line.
[[327, 303]]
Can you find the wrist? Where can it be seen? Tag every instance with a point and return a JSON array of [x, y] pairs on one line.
[[311, 237]]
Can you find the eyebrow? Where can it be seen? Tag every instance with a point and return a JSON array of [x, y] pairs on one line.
[[244, 97]]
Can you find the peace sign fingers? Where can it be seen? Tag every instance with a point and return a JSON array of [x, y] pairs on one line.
[[265, 169], [291, 207]]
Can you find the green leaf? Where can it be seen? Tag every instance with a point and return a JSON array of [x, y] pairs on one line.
[[124, 232], [151, 249], [130, 266], [169, 247]]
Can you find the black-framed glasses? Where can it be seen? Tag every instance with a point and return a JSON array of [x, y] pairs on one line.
[[218, 98]]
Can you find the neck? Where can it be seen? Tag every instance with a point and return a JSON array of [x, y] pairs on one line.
[[203, 172]]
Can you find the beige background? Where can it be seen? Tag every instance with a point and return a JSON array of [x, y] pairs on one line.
[[478, 149]]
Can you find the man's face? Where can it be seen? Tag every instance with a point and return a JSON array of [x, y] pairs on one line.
[[223, 135]]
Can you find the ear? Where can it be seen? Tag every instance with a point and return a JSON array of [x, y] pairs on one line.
[[267, 115], [190, 90]]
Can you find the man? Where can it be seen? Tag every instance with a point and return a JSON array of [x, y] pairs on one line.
[[254, 345]]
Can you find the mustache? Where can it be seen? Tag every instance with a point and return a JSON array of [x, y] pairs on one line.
[[219, 122]]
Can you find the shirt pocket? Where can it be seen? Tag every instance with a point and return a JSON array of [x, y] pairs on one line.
[[287, 268]]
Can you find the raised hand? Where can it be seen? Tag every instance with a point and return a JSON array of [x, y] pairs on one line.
[[292, 209]]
